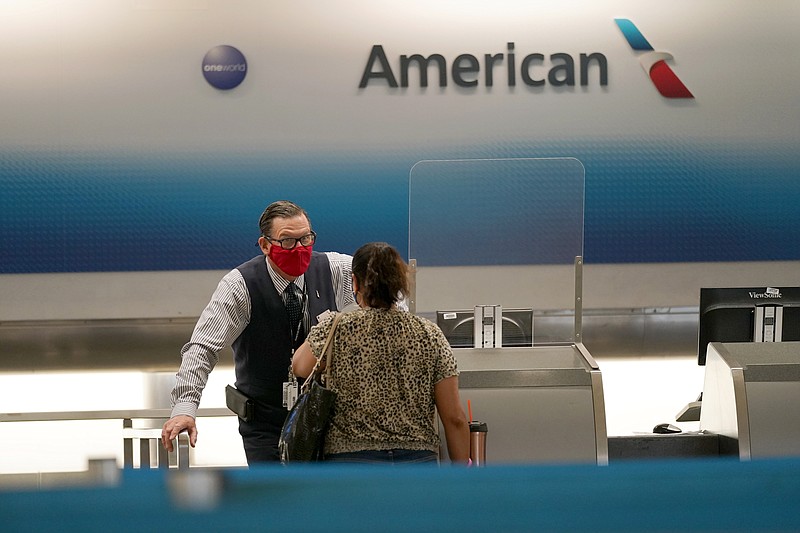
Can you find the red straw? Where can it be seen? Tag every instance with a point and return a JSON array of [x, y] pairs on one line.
[[469, 408]]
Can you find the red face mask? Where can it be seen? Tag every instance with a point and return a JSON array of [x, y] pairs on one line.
[[294, 262]]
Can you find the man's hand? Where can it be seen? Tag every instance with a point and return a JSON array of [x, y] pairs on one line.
[[174, 426]]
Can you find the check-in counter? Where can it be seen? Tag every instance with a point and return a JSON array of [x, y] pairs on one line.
[[542, 404], [750, 398]]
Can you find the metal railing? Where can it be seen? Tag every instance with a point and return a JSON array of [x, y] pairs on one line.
[[145, 436]]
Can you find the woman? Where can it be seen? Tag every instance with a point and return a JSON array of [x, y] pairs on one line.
[[390, 369]]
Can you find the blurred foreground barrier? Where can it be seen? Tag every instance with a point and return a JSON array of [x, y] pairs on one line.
[[720, 494]]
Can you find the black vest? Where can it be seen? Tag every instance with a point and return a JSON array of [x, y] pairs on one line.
[[262, 354]]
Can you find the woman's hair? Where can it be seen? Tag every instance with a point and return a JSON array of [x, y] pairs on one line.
[[381, 273], [279, 209]]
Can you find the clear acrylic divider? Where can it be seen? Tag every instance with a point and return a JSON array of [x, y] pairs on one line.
[[498, 232]]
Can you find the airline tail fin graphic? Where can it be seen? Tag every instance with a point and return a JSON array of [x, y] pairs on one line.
[[654, 63]]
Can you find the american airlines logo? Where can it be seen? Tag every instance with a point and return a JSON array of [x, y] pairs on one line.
[[512, 68], [468, 70], [654, 62]]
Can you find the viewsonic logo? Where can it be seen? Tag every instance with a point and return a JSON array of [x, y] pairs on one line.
[[654, 63]]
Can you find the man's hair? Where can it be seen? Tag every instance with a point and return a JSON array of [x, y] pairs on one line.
[[279, 209], [381, 273]]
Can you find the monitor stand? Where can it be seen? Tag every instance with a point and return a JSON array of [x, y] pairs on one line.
[[691, 412]]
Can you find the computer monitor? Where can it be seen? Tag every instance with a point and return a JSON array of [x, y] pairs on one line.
[[458, 327], [747, 314]]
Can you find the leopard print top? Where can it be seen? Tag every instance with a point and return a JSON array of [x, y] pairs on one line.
[[385, 365]]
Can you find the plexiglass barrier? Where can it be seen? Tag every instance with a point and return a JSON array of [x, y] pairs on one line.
[[498, 232]]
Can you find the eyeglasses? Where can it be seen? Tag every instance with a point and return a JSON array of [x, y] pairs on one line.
[[289, 243]]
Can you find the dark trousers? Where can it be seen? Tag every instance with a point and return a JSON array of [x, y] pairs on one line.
[[260, 435]]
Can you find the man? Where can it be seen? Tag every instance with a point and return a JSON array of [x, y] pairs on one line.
[[263, 309]]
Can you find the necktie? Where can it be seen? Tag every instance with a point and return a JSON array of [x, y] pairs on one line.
[[293, 307]]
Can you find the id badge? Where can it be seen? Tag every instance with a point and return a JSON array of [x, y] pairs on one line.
[[290, 393]]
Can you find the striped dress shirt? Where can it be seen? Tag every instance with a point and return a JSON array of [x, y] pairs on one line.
[[225, 318]]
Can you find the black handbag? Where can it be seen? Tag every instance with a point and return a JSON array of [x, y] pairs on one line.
[[303, 434]]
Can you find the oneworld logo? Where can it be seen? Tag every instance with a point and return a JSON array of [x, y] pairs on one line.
[[224, 67], [654, 63]]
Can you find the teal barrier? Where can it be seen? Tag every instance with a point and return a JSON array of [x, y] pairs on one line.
[[676, 495]]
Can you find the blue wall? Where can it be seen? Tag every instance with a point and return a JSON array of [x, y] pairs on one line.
[[119, 212]]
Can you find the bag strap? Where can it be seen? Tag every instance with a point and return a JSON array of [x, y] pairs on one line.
[[328, 348]]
